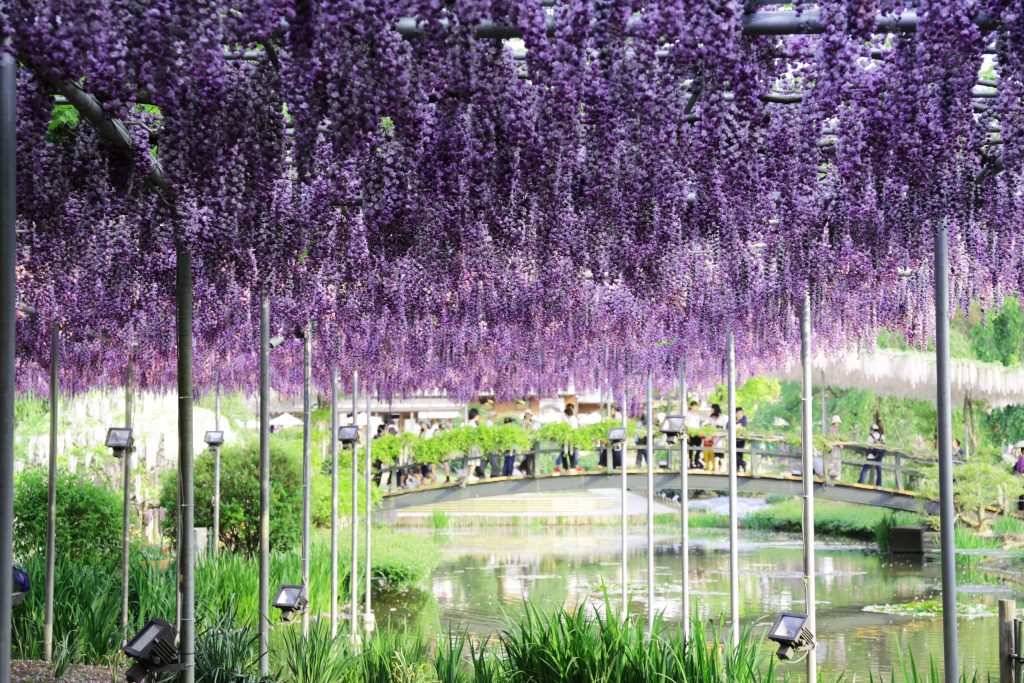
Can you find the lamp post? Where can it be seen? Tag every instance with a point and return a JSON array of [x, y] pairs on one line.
[[806, 424], [353, 576], [216, 471], [51, 495], [684, 497], [334, 501], [368, 621], [307, 364], [625, 517], [734, 579], [650, 502], [126, 477], [944, 427], [264, 616]]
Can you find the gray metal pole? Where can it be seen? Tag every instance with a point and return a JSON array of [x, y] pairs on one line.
[[650, 502], [334, 501], [307, 475], [625, 517], [126, 482], [216, 473], [684, 500], [51, 495], [734, 557], [945, 432], [353, 577], [8, 296], [807, 440], [368, 621], [264, 647], [186, 539]]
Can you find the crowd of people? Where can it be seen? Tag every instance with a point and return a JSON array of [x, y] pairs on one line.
[[706, 450]]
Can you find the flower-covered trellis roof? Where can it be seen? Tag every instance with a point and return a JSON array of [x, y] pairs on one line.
[[603, 189]]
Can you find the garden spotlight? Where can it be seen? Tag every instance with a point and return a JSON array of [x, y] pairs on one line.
[[119, 439], [153, 650], [792, 635], [673, 426], [348, 435], [214, 439], [291, 600]]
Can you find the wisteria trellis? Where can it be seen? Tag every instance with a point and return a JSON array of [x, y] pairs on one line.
[[468, 214]]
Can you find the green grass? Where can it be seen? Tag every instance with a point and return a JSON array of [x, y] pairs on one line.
[[88, 598], [847, 520]]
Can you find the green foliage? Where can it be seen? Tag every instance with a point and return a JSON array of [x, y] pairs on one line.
[[835, 519], [87, 607], [239, 507], [89, 518], [755, 393], [977, 488], [1000, 339], [316, 657], [389, 447], [226, 653]]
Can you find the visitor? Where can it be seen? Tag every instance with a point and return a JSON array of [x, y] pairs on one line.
[[692, 423], [474, 470], [714, 458], [509, 465], [526, 464], [877, 436], [1018, 469], [834, 468], [381, 428], [642, 447], [959, 454], [569, 455], [741, 444]]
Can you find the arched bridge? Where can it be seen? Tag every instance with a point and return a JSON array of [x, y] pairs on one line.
[[767, 484]]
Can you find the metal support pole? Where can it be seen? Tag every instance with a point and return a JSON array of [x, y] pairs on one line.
[[353, 577], [307, 475], [945, 433], [334, 501], [808, 476], [684, 500], [51, 495], [368, 621], [625, 517], [186, 539], [216, 473], [126, 482], [264, 646], [734, 545], [650, 502], [8, 296]]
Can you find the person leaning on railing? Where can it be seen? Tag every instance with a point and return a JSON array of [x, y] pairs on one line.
[[877, 436]]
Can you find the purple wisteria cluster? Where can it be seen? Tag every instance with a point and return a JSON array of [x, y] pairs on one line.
[[610, 191]]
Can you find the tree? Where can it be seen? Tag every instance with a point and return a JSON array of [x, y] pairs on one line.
[[1001, 338], [981, 491]]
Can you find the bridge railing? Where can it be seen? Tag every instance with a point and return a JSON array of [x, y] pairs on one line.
[[757, 457]]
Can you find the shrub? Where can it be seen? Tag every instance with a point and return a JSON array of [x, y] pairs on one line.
[[89, 518], [240, 495]]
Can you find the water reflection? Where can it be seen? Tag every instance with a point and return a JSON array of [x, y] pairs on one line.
[[487, 575]]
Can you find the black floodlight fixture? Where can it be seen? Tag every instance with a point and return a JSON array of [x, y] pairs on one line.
[[673, 425], [617, 434], [791, 633], [276, 341], [153, 650], [119, 439], [348, 435], [291, 600], [214, 439]]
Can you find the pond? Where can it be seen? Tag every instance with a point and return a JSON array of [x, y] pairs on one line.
[[487, 573]]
